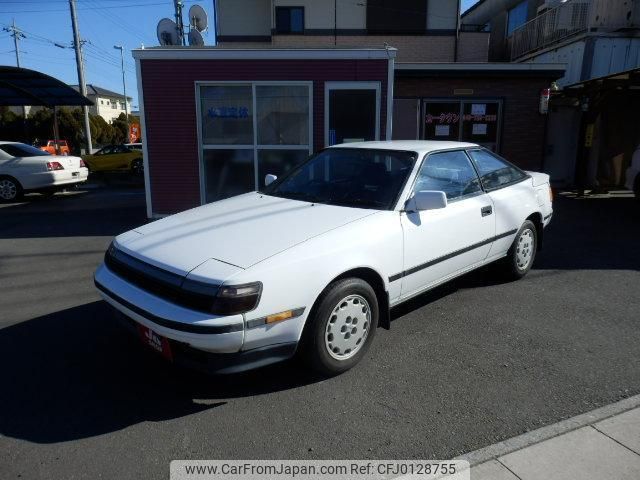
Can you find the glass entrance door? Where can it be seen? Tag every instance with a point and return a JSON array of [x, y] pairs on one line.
[[352, 112]]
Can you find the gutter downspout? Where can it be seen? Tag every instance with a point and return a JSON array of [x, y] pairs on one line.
[[455, 47]]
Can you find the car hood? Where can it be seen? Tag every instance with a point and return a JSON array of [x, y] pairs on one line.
[[240, 231]]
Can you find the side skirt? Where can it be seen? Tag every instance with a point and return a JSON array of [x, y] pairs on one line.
[[447, 279]]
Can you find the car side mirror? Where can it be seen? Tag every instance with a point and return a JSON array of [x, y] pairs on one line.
[[269, 179], [426, 200]]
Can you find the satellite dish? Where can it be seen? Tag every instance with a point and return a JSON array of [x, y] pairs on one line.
[[168, 32], [198, 18], [195, 39]]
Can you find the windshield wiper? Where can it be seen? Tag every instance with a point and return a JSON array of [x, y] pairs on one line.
[[361, 202], [303, 196]]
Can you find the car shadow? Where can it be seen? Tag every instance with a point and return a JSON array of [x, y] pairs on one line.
[[101, 212], [76, 374]]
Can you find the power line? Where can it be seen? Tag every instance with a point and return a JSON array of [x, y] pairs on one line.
[[88, 8]]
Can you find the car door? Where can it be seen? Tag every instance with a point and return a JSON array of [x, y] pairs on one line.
[[511, 196], [440, 243], [122, 157]]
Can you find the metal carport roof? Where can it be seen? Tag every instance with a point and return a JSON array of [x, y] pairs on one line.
[[21, 86]]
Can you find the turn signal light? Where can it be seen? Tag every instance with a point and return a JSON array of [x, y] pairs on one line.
[[278, 317], [54, 166]]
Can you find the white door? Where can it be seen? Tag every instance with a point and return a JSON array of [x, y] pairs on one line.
[[440, 243], [511, 196]]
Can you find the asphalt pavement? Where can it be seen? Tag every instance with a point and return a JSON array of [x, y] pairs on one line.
[[469, 364]]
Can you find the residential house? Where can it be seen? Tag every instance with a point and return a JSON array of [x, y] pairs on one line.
[[106, 103]]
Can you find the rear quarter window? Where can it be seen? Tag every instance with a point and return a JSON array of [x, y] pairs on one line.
[[494, 171]]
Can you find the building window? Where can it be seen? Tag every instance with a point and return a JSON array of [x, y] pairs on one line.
[[101, 102], [289, 20], [472, 120], [122, 106], [250, 130], [517, 17]]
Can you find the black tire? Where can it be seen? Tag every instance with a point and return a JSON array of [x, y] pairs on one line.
[[526, 240], [10, 189], [315, 343], [137, 167]]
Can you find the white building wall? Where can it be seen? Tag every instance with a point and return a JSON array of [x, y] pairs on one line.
[[611, 55], [571, 55]]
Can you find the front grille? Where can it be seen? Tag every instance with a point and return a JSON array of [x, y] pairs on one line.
[[161, 283]]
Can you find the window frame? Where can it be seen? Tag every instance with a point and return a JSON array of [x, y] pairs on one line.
[[289, 8], [463, 101], [349, 85], [502, 159], [473, 166], [254, 146]]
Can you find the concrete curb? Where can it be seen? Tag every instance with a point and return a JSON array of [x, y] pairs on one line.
[[536, 436]]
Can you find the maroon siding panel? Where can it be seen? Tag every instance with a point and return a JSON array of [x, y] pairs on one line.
[[170, 112], [523, 127]]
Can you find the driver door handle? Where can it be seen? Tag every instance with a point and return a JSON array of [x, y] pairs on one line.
[[488, 210]]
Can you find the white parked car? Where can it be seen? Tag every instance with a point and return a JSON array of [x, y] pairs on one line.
[[24, 168], [313, 262]]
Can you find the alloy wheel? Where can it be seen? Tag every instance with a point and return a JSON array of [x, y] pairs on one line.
[[524, 248], [8, 189], [348, 327]]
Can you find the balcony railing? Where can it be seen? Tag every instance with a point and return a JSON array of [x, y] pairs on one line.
[[568, 19]]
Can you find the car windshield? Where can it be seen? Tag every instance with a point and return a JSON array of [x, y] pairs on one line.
[[22, 150], [352, 177]]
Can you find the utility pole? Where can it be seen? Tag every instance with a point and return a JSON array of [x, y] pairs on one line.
[[178, 6], [124, 87], [17, 35], [79, 64]]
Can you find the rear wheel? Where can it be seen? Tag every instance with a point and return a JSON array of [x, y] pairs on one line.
[[341, 326], [520, 257], [137, 167], [10, 189]]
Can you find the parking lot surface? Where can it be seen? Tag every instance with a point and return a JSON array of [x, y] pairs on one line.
[[468, 364]]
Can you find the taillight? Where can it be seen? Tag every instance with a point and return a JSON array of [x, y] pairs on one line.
[[82, 164], [550, 194], [54, 166]]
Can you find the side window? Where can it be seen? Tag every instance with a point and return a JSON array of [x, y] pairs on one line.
[[495, 172], [448, 172]]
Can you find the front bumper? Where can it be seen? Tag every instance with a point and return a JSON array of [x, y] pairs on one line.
[[219, 363], [199, 330]]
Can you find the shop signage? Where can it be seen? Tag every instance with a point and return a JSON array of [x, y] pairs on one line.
[[228, 112], [455, 118]]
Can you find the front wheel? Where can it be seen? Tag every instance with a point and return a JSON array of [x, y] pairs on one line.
[[520, 257], [341, 327]]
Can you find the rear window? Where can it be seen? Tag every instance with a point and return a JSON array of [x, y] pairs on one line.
[[22, 150]]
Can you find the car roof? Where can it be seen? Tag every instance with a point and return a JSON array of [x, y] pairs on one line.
[[4, 142], [421, 146]]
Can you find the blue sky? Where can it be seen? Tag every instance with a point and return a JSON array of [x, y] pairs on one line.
[[102, 23]]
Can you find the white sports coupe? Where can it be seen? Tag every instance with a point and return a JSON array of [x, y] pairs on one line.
[[24, 168], [312, 263]]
